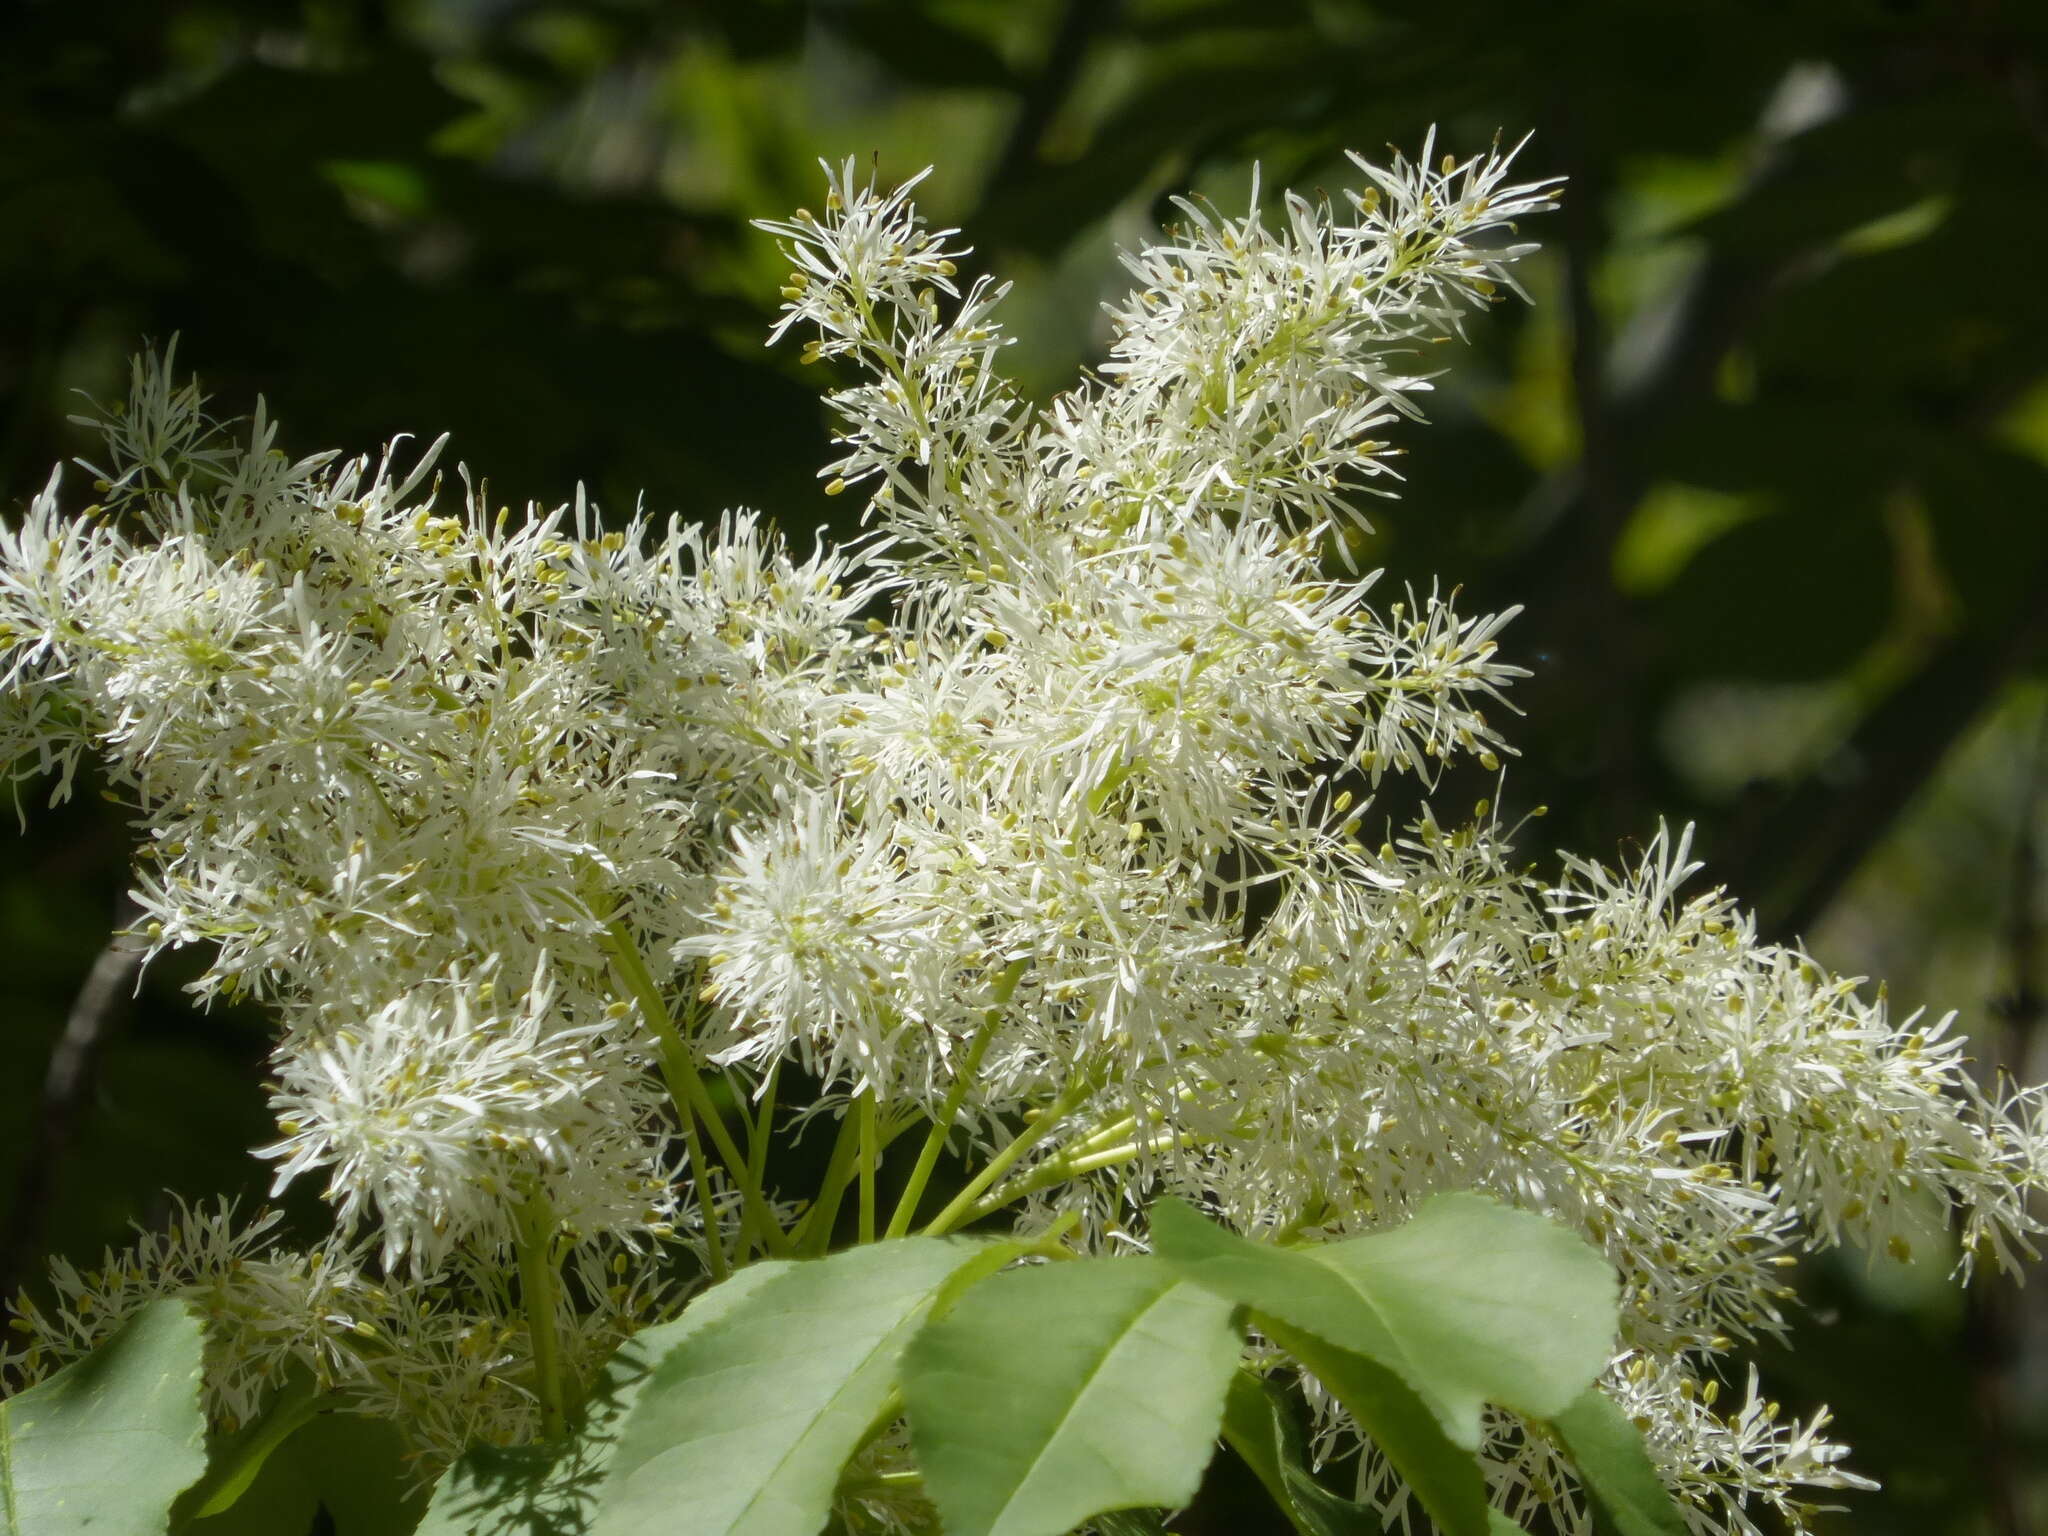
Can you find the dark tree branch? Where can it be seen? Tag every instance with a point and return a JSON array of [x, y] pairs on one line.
[[1795, 858], [1801, 854], [2026, 1005], [1048, 91], [1992, 1332], [66, 1081], [1571, 523], [1609, 483]]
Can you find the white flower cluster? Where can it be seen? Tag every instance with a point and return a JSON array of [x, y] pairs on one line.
[[1047, 801], [446, 1362]]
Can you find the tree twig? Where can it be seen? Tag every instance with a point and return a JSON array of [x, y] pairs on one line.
[[1992, 1331], [67, 1078], [1819, 837], [1048, 91]]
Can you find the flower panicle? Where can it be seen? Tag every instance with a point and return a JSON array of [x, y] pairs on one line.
[[1053, 792]]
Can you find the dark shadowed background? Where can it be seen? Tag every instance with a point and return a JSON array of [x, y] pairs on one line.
[[1766, 460]]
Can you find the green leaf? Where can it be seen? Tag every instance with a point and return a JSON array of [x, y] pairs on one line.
[[106, 1444], [234, 1462], [746, 1423], [1615, 1467], [1052, 1394], [516, 1490], [1443, 1477], [363, 1472], [1261, 1427], [279, 1503], [355, 1468], [534, 1490], [1470, 1302], [1130, 1522]]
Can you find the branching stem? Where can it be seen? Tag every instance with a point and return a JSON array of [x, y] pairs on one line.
[[686, 1086], [1069, 1164], [949, 1112], [1047, 1122]]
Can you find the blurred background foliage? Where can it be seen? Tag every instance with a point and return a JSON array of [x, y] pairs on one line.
[[1766, 460]]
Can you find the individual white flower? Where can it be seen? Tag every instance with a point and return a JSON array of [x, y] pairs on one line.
[[807, 944], [439, 1113]]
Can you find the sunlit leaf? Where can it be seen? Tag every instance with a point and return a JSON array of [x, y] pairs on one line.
[[105, 1445], [1261, 1427], [1052, 1394], [1469, 1302], [538, 1490], [1608, 1451], [748, 1421]]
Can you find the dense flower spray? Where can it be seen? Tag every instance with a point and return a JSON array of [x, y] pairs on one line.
[[1042, 814]]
